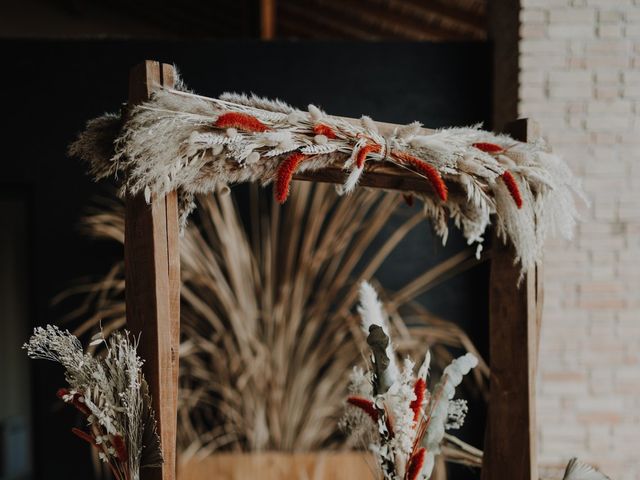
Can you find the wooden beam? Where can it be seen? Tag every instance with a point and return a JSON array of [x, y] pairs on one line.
[[385, 175], [510, 449], [267, 19], [152, 273]]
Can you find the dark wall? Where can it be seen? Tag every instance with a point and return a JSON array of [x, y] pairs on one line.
[[50, 89]]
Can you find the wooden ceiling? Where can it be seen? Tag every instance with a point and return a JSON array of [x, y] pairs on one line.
[[409, 20], [417, 20]]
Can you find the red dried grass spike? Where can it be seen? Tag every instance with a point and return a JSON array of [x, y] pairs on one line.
[[286, 169], [84, 436], [364, 151], [408, 199], [416, 463], [489, 147], [365, 405], [241, 121], [81, 406], [512, 185], [62, 392], [416, 405], [427, 170], [120, 448], [326, 130]]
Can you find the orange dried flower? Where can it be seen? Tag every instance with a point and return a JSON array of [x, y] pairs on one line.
[[416, 405], [323, 129], [512, 185], [364, 151], [365, 405], [408, 199], [427, 170], [241, 121], [120, 448], [286, 169], [84, 436], [415, 464], [487, 147]]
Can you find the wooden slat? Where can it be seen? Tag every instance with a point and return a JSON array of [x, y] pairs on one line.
[[385, 175], [152, 272], [280, 466], [510, 439], [267, 19]]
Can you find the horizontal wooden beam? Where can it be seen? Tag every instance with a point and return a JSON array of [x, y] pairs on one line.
[[383, 175]]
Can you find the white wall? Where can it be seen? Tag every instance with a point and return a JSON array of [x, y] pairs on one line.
[[580, 78]]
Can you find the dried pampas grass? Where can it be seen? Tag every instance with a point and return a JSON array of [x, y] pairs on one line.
[[268, 319]]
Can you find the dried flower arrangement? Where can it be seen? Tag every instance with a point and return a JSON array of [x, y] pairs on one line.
[[181, 141], [404, 422], [111, 394], [262, 292]]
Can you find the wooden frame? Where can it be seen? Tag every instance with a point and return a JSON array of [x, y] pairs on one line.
[[153, 308]]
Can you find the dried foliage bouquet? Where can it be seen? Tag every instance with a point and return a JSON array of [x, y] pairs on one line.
[[395, 412], [112, 395], [268, 313]]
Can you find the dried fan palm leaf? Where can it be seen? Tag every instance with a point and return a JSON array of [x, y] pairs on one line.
[[267, 316]]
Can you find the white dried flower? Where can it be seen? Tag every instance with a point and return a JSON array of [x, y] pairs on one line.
[[110, 391], [404, 419]]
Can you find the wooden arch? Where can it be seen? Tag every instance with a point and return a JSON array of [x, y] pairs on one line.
[[152, 265]]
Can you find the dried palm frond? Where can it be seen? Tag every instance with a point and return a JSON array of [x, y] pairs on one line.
[[267, 316]]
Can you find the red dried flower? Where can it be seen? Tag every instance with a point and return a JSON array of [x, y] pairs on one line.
[[62, 392], [365, 405], [416, 405], [84, 436], [514, 190], [364, 151], [286, 169], [241, 121], [408, 199], [323, 129], [416, 463], [427, 170], [487, 147], [120, 448], [75, 401]]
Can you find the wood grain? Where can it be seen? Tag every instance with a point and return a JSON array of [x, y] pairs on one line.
[[510, 439], [152, 272], [281, 466], [385, 175]]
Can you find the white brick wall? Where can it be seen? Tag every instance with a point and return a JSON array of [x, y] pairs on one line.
[[580, 78]]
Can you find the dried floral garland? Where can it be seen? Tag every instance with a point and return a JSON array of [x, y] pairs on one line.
[[180, 141], [404, 421], [112, 395]]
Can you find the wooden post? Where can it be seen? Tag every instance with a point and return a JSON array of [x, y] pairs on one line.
[[510, 450], [268, 13], [152, 271]]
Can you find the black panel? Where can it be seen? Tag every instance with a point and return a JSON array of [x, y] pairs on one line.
[[50, 89]]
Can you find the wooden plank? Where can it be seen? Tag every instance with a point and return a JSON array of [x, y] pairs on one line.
[[152, 272], [510, 449], [378, 175], [267, 19], [280, 466]]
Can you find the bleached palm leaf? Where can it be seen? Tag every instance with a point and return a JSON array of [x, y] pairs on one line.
[[576, 470]]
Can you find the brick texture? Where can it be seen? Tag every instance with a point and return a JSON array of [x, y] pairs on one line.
[[580, 78]]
